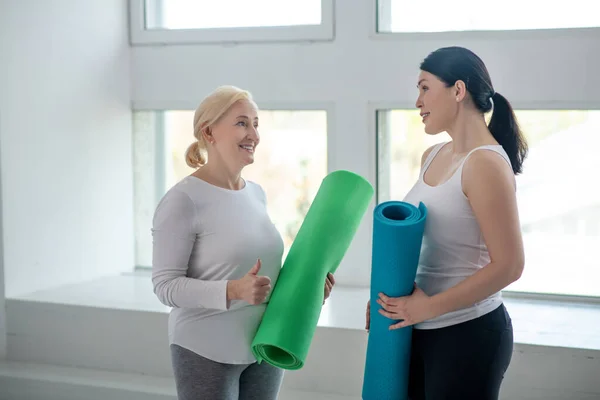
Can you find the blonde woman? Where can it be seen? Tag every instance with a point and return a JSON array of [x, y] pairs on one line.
[[216, 257]]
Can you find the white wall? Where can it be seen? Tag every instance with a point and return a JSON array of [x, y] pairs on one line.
[[3, 318], [3, 39], [355, 73], [65, 142]]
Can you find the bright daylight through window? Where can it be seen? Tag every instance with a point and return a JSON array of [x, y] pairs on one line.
[[557, 194], [468, 15], [290, 162], [205, 14]]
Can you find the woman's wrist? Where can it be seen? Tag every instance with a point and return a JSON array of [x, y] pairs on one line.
[[436, 305], [232, 290]]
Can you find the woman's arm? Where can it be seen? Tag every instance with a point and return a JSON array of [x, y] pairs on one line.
[[174, 233], [488, 183]]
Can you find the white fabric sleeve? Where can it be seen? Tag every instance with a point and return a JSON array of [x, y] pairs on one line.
[[173, 233]]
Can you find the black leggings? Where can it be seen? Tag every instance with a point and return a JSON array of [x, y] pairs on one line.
[[464, 361]]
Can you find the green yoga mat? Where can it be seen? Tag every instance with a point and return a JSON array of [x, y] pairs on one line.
[[288, 325]]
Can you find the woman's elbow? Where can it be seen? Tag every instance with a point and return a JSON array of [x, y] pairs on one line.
[[517, 272], [515, 269], [161, 291]]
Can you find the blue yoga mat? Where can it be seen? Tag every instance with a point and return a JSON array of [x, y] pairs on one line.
[[397, 236]]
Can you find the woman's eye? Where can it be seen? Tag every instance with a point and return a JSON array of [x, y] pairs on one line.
[[241, 123]]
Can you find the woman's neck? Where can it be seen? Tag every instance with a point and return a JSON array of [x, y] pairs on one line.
[[220, 176], [469, 131]]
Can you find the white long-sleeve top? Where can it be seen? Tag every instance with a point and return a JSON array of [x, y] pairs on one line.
[[203, 236]]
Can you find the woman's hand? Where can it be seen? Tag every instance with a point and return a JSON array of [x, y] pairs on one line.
[[368, 324], [252, 288], [329, 282], [409, 310]]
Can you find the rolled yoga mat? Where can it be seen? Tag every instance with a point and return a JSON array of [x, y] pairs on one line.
[[397, 237], [288, 325]]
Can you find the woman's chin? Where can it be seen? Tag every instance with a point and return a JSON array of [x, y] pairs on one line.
[[431, 130], [248, 159]]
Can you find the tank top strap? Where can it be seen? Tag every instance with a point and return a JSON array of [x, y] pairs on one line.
[[430, 157], [493, 147]]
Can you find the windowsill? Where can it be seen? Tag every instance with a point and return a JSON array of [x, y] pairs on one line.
[[536, 322]]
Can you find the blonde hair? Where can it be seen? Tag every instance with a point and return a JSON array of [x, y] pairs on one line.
[[210, 110]]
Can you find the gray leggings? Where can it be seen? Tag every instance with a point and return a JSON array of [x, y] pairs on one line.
[[198, 378]]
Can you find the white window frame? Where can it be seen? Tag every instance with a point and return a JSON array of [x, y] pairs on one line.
[[139, 35], [484, 35]]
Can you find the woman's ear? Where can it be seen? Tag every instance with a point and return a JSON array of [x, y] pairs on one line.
[[207, 134], [460, 90]]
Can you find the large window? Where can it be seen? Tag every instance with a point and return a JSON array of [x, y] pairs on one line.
[[290, 163], [558, 195], [201, 21], [207, 14], [473, 15]]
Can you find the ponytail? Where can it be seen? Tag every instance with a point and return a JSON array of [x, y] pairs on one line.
[[505, 129], [194, 156]]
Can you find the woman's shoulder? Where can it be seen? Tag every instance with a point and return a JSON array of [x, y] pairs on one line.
[[256, 190], [488, 158], [488, 165], [188, 195], [254, 185], [175, 210], [178, 196]]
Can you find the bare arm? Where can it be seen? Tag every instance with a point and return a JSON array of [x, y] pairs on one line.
[[488, 183]]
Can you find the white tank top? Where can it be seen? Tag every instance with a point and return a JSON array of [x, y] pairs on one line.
[[453, 247]]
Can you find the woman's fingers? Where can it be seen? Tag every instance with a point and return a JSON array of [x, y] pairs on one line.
[[386, 306]]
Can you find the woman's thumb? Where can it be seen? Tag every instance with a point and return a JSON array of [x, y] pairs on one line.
[[256, 268]]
